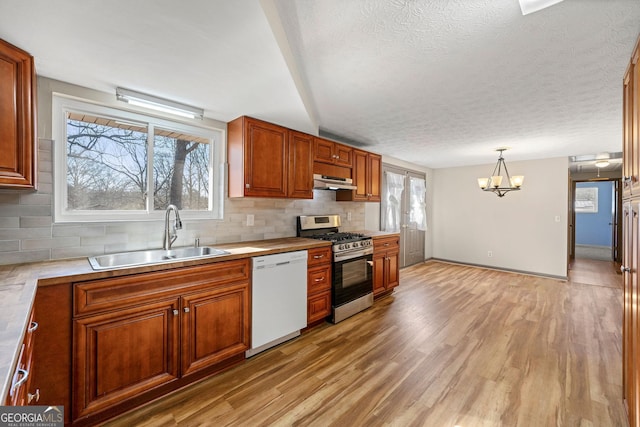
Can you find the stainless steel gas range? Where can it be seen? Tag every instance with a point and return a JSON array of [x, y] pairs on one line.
[[352, 272]]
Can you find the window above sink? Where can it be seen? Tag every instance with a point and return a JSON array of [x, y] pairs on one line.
[[113, 164]]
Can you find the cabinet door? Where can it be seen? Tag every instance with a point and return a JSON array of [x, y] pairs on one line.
[[392, 270], [266, 159], [323, 151], [374, 173], [627, 360], [318, 306], [17, 118], [343, 155], [121, 354], [215, 326], [629, 155], [634, 332], [379, 262], [300, 175], [360, 175], [635, 123]]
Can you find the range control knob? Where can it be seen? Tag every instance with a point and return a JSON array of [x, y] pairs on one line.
[[341, 247], [356, 244]]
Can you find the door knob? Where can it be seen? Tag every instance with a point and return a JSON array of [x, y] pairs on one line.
[[624, 269]]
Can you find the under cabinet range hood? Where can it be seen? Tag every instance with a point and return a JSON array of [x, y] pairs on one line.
[[324, 182]]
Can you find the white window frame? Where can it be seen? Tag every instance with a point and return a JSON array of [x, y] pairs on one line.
[[62, 104]]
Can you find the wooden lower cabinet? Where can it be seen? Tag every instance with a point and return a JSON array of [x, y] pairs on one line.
[[630, 325], [138, 337], [121, 354], [318, 284], [386, 266], [215, 326], [23, 391]]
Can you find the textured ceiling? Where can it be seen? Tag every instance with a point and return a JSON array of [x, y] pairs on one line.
[[434, 82], [444, 83]]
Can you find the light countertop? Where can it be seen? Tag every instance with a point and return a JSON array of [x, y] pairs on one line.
[[19, 282]]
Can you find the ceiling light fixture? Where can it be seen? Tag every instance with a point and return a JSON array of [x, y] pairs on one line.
[[495, 181], [530, 6], [602, 163], [158, 104]]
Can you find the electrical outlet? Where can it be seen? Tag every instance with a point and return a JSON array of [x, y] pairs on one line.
[[250, 219], [349, 216], [490, 254]]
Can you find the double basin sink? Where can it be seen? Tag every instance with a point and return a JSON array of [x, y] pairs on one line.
[[152, 256]]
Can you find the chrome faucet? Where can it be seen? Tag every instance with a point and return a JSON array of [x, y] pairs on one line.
[[171, 236]]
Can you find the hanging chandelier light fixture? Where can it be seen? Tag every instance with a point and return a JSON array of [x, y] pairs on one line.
[[494, 183]]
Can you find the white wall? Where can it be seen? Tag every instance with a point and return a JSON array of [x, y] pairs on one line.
[[520, 228]]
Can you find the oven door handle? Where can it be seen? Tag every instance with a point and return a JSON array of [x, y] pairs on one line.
[[351, 255]]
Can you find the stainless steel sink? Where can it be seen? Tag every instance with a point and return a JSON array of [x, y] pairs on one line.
[[152, 256]]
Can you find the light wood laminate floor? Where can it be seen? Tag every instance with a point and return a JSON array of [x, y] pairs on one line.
[[452, 346]]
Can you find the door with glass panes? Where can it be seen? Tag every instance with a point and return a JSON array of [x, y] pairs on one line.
[[403, 210]]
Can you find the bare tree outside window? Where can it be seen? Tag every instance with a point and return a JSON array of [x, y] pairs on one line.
[[107, 166], [181, 171]]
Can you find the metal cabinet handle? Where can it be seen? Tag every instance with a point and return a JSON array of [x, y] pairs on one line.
[[175, 312], [186, 309], [370, 263], [319, 280], [35, 396], [25, 375], [318, 256], [387, 244], [624, 269], [32, 327]]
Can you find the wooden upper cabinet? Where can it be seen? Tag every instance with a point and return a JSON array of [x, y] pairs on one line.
[[629, 155], [257, 155], [634, 121], [367, 170], [267, 160], [17, 118], [300, 171], [334, 153]]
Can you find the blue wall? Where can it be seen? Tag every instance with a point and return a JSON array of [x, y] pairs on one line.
[[593, 228]]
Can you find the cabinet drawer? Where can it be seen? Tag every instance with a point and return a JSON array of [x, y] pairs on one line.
[[319, 256], [319, 279], [23, 375], [385, 243], [318, 306], [127, 291]]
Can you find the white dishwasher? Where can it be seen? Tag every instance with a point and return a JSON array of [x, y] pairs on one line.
[[278, 299]]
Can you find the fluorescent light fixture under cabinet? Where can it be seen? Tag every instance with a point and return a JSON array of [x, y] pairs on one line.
[[158, 104], [530, 6]]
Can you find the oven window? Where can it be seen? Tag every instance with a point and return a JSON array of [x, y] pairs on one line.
[[352, 279], [354, 272]]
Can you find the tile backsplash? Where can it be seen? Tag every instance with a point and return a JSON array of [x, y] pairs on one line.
[[27, 231]]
